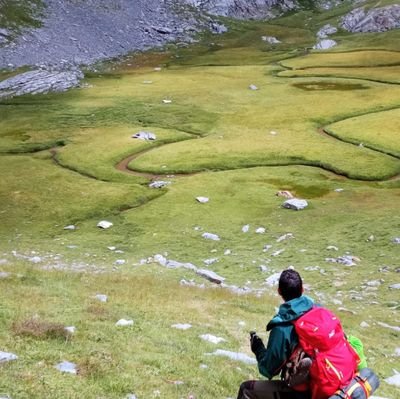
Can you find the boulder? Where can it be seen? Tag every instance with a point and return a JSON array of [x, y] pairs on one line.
[[142, 135], [325, 31], [325, 44], [295, 203], [373, 20], [210, 275]]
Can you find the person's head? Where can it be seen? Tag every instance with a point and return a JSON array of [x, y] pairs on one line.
[[290, 285]]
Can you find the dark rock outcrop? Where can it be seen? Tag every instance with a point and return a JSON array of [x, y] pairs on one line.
[[374, 20]]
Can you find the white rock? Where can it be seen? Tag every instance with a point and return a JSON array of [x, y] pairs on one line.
[[395, 286], [364, 324], [212, 338], [227, 252], [66, 367], [237, 356], [131, 396], [6, 357], [102, 297], [241, 323], [124, 323], [325, 44], [202, 200], [253, 87], [284, 237], [245, 228], [260, 230], [278, 252], [70, 227], [142, 135], [112, 248], [332, 248], [273, 133], [210, 261], [162, 260], [263, 268], [339, 190], [159, 184], [167, 101], [394, 379], [180, 326], [210, 236], [270, 39], [396, 240], [210, 275], [397, 352], [267, 247], [35, 259], [120, 262], [295, 203], [104, 224], [395, 328], [203, 366], [147, 82], [273, 279], [70, 329]]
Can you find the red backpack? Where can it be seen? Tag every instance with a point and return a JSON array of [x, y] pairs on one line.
[[334, 361]]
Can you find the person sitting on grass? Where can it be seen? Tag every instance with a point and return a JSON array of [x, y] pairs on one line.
[[282, 342]]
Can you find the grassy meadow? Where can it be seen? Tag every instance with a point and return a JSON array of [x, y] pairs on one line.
[[322, 125]]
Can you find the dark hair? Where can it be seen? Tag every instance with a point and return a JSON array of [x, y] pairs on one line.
[[290, 285]]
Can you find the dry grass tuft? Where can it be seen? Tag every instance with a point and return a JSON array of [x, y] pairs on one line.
[[40, 329]]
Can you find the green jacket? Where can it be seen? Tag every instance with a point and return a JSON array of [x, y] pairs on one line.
[[282, 337]]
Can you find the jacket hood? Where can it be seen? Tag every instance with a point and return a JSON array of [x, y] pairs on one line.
[[291, 310]]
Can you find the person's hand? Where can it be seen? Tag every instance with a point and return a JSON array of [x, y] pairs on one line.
[[256, 343]]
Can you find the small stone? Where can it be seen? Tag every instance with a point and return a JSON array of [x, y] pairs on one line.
[[273, 279], [6, 357], [70, 227], [131, 396], [212, 338], [273, 133], [112, 248], [180, 326], [364, 324], [159, 184], [285, 194], [270, 39], [227, 252], [339, 190], [394, 286], [143, 135], [120, 262], [210, 261], [101, 297], [124, 323], [253, 87], [104, 224], [296, 204], [210, 236], [66, 367], [237, 356], [284, 237], [202, 200], [35, 259], [147, 82], [166, 101], [260, 230], [396, 240], [332, 248], [210, 275], [245, 228], [267, 247], [70, 329], [278, 252], [393, 380]]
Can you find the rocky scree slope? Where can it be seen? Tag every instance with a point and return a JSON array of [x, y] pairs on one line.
[[64, 34]]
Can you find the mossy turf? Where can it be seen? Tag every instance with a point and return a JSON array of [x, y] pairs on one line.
[[60, 157]]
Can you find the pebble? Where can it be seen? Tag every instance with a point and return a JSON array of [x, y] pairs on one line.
[[6, 357], [70, 227], [237, 356], [253, 87], [210, 236], [245, 228], [180, 326], [104, 224], [66, 367], [202, 200], [102, 297], [260, 230], [212, 338], [124, 323]]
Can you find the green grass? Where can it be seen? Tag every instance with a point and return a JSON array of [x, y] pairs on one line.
[[58, 157]]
